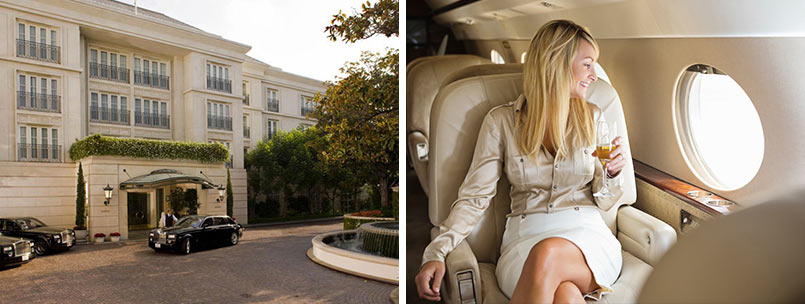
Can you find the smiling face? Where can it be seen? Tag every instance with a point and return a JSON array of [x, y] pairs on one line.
[[583, 69]]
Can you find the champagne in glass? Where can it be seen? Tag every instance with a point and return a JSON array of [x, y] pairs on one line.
[[605, 133]]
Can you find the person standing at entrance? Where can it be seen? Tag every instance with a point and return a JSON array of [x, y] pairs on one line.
[[167, 219]]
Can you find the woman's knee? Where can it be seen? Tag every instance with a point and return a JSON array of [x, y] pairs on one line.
[[545, 254]]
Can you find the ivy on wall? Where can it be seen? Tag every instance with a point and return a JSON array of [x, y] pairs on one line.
[[143, 148]]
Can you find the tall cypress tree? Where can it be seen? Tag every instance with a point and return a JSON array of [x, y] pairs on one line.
[[80, 198], [230, 200]]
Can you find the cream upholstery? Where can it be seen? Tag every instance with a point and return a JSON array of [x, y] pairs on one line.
[[424, 76], [456, 117], [751, 256]]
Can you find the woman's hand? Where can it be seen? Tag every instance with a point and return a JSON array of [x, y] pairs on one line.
[[616, 159], [433, 270]]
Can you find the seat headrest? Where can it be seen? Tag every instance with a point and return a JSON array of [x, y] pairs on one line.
[[482, 70]]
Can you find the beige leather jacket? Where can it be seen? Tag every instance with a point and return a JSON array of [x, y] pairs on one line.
[[545, 185]]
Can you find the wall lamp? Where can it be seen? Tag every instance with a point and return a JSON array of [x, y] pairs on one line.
[[107, 192], [221, 193]]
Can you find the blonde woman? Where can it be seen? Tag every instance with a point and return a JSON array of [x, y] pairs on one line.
[[556, 247]]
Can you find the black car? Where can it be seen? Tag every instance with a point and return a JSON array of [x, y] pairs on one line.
[[15, 251], [45, 239], [196, 231]]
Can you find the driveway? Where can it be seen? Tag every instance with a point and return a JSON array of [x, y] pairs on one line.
[[268, 265]]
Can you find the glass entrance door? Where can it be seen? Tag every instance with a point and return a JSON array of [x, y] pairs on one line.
[[138, 211]]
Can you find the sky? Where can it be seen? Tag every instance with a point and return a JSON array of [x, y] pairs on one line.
[[288, 34]]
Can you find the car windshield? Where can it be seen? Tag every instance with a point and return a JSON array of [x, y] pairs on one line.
[[190, 221], [29, 223]]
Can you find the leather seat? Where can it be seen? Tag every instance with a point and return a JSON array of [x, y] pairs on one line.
[[456, 117], [424, 77]]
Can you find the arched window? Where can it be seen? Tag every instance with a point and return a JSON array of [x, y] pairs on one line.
[[496, 57]]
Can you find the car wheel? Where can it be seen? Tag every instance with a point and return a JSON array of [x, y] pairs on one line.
[[40, 247], [186, 246], [233, 240]]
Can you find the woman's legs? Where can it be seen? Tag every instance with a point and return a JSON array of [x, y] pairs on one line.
[[567, 292], [551, 262]]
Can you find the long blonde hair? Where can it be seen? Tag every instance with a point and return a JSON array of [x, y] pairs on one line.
[[548, 79]]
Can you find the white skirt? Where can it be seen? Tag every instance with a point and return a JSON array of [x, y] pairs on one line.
[[584, 227]]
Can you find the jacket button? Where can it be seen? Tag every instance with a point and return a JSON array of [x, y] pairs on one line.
[[550, 205], [556, 166], [555, 187], [577, 208], [522, 216]]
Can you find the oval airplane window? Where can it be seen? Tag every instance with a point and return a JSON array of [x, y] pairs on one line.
[[522, 58], [496, 57], [718, 128]]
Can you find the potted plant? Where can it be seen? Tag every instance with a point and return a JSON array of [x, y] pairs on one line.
[[100, 237], [114, 236]]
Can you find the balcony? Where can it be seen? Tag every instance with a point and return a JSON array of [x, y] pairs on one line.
[[151, 120], [246, 99], [272, 105], [38, 102], [219, 84], [38, 153], [219, 122], [247, 132], [107, 115], [38, 51], [152, 80], [108, 72]]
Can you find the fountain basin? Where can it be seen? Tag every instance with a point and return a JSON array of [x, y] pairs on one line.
[[355, 263]]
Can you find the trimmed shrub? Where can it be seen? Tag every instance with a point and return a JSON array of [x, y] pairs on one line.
[[145, 148]]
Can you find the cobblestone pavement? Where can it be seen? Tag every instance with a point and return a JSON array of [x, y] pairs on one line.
[[269, 265]]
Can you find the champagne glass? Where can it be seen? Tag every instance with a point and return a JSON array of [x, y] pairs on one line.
[[605, 133]]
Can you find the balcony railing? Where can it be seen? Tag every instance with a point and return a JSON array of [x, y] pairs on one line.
[[307, 110], [247, 132], [246, 99], [273, 105], [107, 115], [38, 51], [108, 72], [38, 102], [219, 122], [219, 84], [151, 80], [39, 153], [162, 121]]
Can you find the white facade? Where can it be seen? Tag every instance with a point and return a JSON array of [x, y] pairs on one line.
[[80, 67]]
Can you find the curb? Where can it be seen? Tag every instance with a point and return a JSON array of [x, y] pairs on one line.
[[294, 222]]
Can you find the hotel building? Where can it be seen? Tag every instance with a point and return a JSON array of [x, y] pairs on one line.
[[73, 68]]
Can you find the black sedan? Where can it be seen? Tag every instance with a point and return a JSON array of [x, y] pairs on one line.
[[15, 251], [46, 239], [196, 231]]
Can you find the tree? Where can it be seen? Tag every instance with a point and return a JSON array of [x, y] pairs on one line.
[[230, 200], [80, 198], [360, 113], [380, 19]]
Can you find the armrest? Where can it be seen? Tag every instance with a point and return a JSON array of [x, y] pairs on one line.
[[643, 235], [462, 277]]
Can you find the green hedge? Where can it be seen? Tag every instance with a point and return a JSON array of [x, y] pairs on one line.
[[353, 223], [144, 148]]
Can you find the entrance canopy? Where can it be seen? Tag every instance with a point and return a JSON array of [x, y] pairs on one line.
[[165, 177]]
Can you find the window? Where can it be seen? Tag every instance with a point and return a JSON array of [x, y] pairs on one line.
[[272, 103], [109, 66], [308, 105], [522, 57], [46, 99], [45, 48], [599, 71], [246, 90], [271, 128], [304, 126], [218, 116], [218, 78], [714, 120], [112, 108], [496, 57], [151, 113], [247, 132], [38, 144], [228, 148], [151, 73]]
